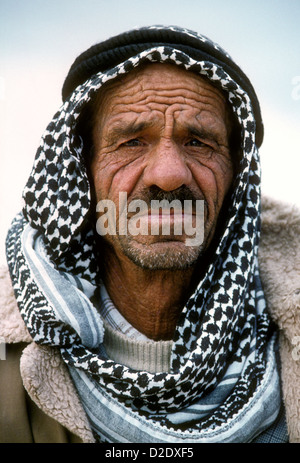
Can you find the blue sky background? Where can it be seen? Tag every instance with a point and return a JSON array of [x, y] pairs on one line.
[[39, 39]]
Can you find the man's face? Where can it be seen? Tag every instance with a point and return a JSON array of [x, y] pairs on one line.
[[162, 131]]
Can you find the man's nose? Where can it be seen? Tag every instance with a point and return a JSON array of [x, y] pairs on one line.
[[166, 167]]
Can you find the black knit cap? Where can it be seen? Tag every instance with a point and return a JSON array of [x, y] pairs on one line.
[[105, 55]]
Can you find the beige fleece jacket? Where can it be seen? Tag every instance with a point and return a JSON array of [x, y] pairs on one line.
[[46, 378]]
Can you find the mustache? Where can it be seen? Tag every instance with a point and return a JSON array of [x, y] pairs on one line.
[[155, 193]]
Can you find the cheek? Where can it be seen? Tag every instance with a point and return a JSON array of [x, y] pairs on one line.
[[213, 179], [112, 177]]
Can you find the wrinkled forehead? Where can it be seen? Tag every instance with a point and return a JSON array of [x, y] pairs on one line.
[[163, 82], [157, 75]]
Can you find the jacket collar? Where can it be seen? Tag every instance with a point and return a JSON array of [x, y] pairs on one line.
[[48, 382]]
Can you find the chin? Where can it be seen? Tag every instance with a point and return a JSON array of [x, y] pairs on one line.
[[164, 255]]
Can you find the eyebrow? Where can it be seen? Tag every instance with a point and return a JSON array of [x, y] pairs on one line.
[[130, 129], [204, 133]]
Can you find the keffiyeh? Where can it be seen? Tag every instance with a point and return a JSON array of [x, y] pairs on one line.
[[223, 384]]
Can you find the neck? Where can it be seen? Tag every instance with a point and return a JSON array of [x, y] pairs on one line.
[[151, 300]]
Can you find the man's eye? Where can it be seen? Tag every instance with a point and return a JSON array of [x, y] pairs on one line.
[[132, 143], [194, 142]]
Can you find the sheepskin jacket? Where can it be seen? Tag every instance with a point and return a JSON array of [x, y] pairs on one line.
[[38, 401]]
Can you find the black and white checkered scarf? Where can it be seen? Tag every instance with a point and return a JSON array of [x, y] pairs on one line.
[[223, 384]]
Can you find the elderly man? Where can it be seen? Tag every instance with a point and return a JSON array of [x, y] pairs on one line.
[[141, 336]]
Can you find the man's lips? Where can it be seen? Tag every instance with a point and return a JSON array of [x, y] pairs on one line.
[[163, 222], [163, 215]]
